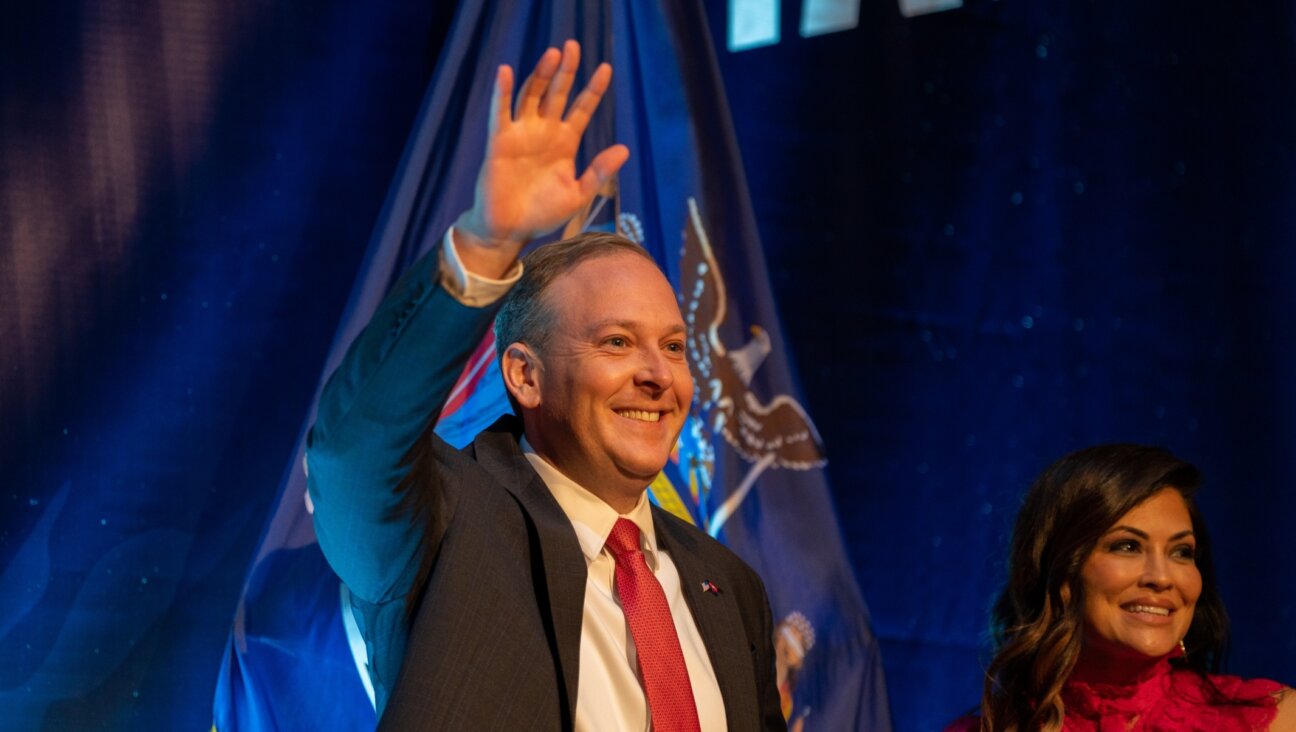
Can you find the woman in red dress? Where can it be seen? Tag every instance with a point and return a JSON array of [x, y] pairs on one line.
[[1111, 620]]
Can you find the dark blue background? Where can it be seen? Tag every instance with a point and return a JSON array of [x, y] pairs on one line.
[[1005, 232], [996, 234]]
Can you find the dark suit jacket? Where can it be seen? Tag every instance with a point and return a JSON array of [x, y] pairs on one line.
[[462, 564]]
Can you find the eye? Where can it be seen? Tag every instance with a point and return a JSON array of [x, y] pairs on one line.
[[675, 347], [1124, 546], [1185, 551], [617, 341]]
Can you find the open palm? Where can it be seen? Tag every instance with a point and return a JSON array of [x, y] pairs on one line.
[[528, 185]]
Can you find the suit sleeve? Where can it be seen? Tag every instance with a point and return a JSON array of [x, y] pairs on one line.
[[388, 390]]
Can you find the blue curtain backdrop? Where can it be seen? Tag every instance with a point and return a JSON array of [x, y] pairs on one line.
[[994, 234], [187, 188]]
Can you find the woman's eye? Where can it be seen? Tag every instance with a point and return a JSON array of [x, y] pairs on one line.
[[1185, 552], [1124, 545]]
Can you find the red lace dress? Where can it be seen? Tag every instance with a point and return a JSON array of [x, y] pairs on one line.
[[1161, 699]]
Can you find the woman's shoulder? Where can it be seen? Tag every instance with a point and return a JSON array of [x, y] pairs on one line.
[[1255, 703], [1268, 704], [1285, 721], [1236, 689]]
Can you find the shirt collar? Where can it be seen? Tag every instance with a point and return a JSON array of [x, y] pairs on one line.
[[589, 515]]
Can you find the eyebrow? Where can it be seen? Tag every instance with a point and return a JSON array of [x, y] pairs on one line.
[[631, 325], [1144, 535]]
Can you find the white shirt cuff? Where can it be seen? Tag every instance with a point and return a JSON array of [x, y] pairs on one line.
[[471, 289]]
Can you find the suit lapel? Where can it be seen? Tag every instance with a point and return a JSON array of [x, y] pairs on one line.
[[718, 620], [562, 565], [559, 560]]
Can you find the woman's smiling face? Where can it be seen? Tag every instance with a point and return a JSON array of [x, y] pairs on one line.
[[1141, 582]]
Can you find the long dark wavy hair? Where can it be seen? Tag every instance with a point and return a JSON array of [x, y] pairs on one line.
[[1038, 620]]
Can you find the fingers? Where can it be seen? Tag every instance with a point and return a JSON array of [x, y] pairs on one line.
[[601, 169], [588, 100], [533, 89], [546, 90], [500, 102], [555, 100]]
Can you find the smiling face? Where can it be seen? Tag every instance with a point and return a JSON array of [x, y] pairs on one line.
[[606, 399], [1141, 582]]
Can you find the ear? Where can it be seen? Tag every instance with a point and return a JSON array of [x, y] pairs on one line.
[[521, 370]]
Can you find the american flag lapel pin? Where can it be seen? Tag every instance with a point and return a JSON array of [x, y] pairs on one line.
[[709, 586]]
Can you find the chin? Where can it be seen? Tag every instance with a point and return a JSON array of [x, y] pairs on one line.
[[646, 471], [642, 467], [1152, 647], [1130, 644], [647, 456]]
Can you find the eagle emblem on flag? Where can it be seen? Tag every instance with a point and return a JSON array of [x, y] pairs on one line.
[[775, 433]]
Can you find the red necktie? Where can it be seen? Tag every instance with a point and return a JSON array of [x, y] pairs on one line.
[[661, 662]]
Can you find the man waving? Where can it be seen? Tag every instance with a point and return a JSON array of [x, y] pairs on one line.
[[526, 582]]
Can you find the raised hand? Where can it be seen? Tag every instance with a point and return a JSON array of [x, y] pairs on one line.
[[528, 186]]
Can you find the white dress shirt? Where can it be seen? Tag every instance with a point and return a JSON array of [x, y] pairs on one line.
[[609, 694], [468, 288]]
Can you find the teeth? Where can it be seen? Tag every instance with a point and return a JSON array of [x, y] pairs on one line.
[[1149, 609], [639, 414]]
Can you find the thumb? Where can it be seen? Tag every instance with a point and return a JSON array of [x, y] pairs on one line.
[[601, 169]]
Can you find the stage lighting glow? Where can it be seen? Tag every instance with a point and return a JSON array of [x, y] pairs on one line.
[[910, 8], [828, 16], [752, 24]]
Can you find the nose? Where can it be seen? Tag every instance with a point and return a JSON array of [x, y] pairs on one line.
[[654, 371], [1156, 572]]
